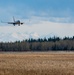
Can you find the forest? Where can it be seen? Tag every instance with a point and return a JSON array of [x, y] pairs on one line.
[[50, 44]]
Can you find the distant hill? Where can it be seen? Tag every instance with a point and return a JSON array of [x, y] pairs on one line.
[[7, 37]]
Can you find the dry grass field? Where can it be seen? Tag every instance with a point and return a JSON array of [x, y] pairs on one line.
[[37, 63]]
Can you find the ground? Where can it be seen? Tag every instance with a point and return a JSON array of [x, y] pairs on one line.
[[37, 63]]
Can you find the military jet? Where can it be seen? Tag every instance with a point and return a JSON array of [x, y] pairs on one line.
[[14, 22]]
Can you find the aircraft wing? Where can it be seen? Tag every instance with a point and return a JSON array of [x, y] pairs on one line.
[[7, 22], [10, 22]]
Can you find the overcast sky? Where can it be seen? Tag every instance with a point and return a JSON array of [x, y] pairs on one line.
[[40, 16]]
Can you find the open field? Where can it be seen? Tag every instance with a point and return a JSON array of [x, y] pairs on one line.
[[37, 63]]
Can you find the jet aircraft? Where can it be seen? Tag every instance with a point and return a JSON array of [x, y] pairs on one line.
[[15, 22]]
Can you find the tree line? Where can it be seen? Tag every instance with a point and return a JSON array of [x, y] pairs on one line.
[[50, 44]]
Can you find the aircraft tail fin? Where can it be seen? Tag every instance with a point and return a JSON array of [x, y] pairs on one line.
[[13, 19]]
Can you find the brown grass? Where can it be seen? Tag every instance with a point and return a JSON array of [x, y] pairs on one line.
[[37, 63]]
